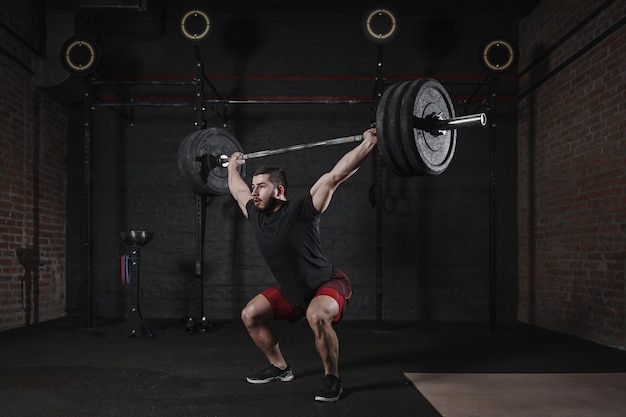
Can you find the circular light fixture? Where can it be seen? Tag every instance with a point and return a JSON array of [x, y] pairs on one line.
[[79, 55], [195, 25], [498, 55], [380, 25]]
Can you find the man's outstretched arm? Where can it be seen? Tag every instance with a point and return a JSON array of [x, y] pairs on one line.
[[322, 191], [237, 186]]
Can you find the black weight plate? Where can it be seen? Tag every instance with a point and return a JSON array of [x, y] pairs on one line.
[[406, 127], [192, 161], [381, 127], [434, 150], [402, 164], [387, 132]]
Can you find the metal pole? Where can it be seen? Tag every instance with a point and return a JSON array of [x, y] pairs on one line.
[[493, 284], [379, 171], [88, 244]]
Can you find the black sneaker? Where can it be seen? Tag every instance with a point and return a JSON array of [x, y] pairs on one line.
[[270, 374], [331, 389]]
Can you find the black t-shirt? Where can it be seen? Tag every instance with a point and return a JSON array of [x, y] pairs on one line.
[[289, 240]]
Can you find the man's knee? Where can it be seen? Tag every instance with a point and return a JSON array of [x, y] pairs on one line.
[[321, 311], [257, 310], [247, 315]]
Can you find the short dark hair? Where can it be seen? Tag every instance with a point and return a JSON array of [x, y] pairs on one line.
[[276, 175]]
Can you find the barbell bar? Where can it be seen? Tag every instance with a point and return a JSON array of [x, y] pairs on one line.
[[433, 123], [416, 127], [222, 160]]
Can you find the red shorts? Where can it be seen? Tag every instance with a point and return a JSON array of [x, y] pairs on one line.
[[339, 288]]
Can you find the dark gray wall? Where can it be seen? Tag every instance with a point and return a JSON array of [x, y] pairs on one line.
[[435, 229]]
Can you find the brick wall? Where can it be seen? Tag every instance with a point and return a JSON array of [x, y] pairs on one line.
[[572, 175], [32, 168]]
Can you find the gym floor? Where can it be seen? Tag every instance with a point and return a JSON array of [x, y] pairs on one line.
[[61, 368]]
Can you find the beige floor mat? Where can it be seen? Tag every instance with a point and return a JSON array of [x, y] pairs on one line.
[[524, 395]]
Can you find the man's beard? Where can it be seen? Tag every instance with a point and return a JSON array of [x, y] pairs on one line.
[[270, 207]]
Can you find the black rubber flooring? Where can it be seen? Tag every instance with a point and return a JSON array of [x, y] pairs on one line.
[[61, 368]]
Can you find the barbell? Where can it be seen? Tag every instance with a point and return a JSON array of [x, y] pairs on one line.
[[416, 127]]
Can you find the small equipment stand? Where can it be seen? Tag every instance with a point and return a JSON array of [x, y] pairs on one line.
[[135, 324]]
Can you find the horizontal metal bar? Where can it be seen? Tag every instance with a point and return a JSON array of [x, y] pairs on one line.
[[297, 101], [338, 141], [144, 82], [225, 102], [223, 159], [144, 104]]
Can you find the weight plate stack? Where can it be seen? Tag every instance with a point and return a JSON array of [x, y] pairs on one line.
[[195, 155]]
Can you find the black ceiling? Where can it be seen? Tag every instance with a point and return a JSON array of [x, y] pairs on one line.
[[145, 16]]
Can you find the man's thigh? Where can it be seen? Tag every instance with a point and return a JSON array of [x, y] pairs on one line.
[[280, 306]]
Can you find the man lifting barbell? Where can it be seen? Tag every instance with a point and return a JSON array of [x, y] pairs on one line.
[[309, 285], [416, 129]]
